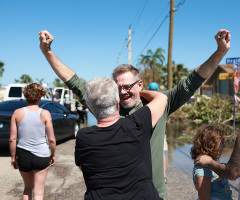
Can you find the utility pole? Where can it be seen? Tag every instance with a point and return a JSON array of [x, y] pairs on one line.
[[172, 10], [129, 45], [119, 59]]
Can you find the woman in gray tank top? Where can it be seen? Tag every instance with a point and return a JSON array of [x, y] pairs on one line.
[[33, 126]]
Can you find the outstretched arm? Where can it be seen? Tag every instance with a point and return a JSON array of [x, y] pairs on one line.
[[231, 170], [223, 40], [62, 71], [182, 92]]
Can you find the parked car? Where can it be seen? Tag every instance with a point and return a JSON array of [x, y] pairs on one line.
[[65, 123]]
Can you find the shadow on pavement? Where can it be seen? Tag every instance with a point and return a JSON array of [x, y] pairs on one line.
[[4, 151], [63, 141]]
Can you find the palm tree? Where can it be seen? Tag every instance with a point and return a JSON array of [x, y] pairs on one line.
[[24, 79], [146, 77], [40, 81], [153, 61], [1, 69], [179, 72], [58, 83]]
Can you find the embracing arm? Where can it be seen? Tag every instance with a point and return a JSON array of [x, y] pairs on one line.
[[231, 170], [13, 141], [157, 104], [50, 135], [223, 40], [62, 71]]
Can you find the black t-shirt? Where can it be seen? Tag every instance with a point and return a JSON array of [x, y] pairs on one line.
[[116, 160]]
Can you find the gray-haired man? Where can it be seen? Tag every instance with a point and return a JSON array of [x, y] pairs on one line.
[[114, 154]]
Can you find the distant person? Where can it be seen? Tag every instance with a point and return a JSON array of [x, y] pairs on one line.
[[82, 111], [129, 79], [115, 154], [67, 102], [56, 96], [209, 140], [154, 86], [79, 108], [33, 127], [85, 114]]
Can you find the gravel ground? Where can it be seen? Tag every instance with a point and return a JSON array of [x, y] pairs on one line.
[[65, 180], [180, 185]]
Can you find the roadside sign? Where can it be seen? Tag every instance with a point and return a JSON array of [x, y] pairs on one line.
[[236, 81], [235, 65], [224, 76], [231, 60]]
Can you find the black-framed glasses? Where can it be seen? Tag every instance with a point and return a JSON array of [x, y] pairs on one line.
[[127, 87]]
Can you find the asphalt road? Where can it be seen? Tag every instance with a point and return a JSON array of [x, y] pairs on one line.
[[65, 180]]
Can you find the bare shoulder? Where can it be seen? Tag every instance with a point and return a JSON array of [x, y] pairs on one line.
[[18, 111], [45, 113], [18, 115]]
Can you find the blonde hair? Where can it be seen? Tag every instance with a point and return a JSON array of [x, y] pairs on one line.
[[126, 68]]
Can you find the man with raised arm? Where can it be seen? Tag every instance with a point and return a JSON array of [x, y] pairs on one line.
[[131, 84]]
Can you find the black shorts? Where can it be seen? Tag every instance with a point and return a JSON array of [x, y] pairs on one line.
[[28, 161]]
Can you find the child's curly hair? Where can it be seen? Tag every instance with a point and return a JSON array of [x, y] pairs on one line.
[[33, 93], [207, 141]]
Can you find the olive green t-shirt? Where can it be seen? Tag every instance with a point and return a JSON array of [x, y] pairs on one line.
[[177, 96]]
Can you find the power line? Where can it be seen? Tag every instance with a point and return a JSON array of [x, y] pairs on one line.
[[180, 4], [137, 12], [123, 46], [152, 36], [144, 6], [161, 13], [168, 15]]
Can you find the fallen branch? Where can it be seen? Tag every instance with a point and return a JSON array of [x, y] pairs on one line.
[[224, 122]]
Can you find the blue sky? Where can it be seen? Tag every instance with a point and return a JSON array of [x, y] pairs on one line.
[[90, 35]]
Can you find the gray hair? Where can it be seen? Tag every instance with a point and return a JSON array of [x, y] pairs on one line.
[[126, 68], [101, 97]]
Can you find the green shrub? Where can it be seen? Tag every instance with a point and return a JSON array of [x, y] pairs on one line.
[[205, 110]]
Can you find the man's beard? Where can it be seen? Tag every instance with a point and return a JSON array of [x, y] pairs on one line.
[[134, 102]]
